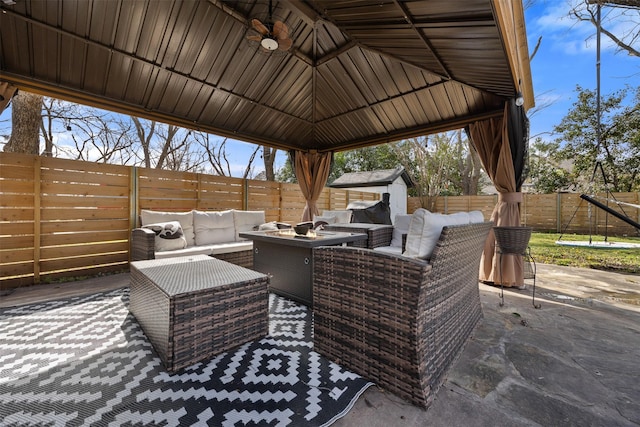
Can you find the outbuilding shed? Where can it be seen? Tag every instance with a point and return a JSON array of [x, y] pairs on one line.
[[392, 181]]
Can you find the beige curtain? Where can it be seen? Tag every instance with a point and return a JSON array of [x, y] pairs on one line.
[[312, 171], [7, 91], [491, 140]]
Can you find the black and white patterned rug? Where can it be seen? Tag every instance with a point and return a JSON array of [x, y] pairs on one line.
[[85, 361]]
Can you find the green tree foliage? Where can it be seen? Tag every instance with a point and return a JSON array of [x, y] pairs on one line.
[[618, 150], [431, 162], [440, 164], [362, 159], [546, 174]]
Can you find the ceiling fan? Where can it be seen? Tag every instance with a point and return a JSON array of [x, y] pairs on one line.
[[273, 35]]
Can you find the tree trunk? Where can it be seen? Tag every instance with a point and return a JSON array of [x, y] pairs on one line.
[[26, 118], [269, 157], [470, 167]]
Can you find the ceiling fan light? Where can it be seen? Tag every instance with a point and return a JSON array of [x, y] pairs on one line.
[[269, 43]]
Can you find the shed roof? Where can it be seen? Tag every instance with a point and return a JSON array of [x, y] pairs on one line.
[[372, 178], [358, 72]]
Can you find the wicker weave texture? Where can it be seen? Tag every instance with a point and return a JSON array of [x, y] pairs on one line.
[[512, 240], [377, 234], [241, 258], [192, 326], [143, 244], [397, 321]]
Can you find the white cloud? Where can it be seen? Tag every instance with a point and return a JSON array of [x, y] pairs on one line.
[[572, 37], [554, 18]]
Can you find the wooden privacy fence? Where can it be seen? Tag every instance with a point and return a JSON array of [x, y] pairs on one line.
[[61, 218], [554, 213]]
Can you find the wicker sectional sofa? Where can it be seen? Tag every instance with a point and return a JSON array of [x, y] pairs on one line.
[[399, 321], [213, 233]]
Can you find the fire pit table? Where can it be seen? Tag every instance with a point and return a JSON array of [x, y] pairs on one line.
[[287, 257]]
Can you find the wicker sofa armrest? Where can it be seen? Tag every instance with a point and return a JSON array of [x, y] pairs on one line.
[[379, 236], [143, 244]]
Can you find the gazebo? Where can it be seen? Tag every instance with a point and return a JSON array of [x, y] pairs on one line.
[[309, 76]]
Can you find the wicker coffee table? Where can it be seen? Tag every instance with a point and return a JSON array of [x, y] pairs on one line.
[[192, 308]]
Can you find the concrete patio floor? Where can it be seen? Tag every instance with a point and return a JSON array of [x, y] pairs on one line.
[[574, 361]]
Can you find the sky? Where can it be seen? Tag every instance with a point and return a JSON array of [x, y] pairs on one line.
[[566, 58]]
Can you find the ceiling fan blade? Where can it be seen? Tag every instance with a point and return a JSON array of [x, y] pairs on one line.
[[280, 30], [257, 39], [259, 27], [284, 44]]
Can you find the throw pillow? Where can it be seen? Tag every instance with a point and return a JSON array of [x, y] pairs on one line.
[[169, 236], [268, 226], [184, 218], [323, 220]]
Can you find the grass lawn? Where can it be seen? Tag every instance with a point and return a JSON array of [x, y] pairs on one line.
[[545, 250]]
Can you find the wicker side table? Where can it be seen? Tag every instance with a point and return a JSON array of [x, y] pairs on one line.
[[514, 241], [192, 308]]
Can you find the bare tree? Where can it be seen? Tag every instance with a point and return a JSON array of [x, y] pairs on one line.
[[627, 11], [145, 130], [249, 168], [175, 153], [96, 135], [215, 151], [215, 154], [113, 142], [269, 157], [90, 134]]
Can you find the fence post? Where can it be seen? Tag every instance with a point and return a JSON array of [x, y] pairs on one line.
[[558, 212], [245, 194], [37, 220], [134, 188], [638, 210], [280, 187], [199, 191]]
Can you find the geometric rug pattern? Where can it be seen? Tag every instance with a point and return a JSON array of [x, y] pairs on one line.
[[85, 361]]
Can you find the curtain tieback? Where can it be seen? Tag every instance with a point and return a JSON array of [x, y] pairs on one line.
[[510, 197]]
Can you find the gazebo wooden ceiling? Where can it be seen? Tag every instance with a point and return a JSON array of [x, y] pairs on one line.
[[358, 73]]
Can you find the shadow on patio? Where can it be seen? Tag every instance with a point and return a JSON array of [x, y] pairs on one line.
[[573, 362]]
